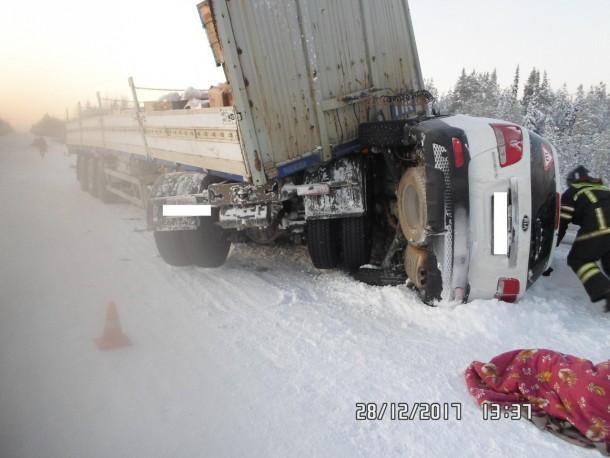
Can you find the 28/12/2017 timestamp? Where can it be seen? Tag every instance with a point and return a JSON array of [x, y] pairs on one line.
[[405, 411]]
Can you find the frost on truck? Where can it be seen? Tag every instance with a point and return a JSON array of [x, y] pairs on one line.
[[320, 136]]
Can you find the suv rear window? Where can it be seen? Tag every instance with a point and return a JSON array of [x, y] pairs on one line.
[[544, 188]]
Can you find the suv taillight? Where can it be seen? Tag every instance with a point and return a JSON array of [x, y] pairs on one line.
[[510, 143], [458, 152], [507, 290]]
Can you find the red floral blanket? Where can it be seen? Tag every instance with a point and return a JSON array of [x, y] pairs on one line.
[[562, 388]]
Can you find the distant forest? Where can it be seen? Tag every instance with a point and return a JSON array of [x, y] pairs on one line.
[[577, 124], [50, 126], [5, 127]]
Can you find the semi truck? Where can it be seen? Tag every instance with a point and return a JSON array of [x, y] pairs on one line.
[[323, 135]]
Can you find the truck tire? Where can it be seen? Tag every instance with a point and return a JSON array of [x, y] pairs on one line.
[[356, 241], [208, 245], [382, 134], [92, 176], [322, 243], [79, 166], [171, 248], [105, 196], [412, 209], [83, 172]]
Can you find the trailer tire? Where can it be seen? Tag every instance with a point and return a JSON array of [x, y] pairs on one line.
[[382, 134], [83, 172], [79, 167], [105, 196], [322, 243], [208, 245], [171, 248], [356, 241], [412, 205], [92, 176]]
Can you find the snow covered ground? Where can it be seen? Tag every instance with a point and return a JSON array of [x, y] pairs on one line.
[[265, 356]]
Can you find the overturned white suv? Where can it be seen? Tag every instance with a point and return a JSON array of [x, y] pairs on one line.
[[476, 211]]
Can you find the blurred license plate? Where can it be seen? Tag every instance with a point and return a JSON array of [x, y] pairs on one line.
[[500, 223]]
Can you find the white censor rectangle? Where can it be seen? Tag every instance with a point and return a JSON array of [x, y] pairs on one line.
[[500, 223], [178, 211]]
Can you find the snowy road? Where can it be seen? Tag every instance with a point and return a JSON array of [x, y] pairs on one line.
[[265, 356]]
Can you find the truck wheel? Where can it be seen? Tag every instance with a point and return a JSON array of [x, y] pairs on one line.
[[412, 210], [322, 243], [356, 241], [105, 196], [382, 134], [92, 176], [171, 248], [79, 166], [208, 245], [83, 175]]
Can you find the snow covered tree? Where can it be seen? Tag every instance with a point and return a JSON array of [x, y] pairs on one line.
[[461, 93], [530, 89], [491, 94], [474, 94], [590, 131], [439, 103], [537, 102], [509, 107]]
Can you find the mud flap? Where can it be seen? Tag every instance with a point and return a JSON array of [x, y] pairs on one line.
[[174, 188], [345, 176]]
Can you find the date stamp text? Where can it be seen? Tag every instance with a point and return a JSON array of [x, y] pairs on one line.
[[409, 411]]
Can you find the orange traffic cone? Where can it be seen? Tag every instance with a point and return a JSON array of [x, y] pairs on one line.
[[113, 336]]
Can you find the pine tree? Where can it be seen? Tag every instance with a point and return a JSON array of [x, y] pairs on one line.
[[533, 103], [509, 107], [460, 93], [515, 86], [492, 95]]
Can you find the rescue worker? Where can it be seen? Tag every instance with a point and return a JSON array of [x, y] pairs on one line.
[[586, 203]]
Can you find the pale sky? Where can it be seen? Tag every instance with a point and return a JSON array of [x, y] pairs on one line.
[[54, 54]]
